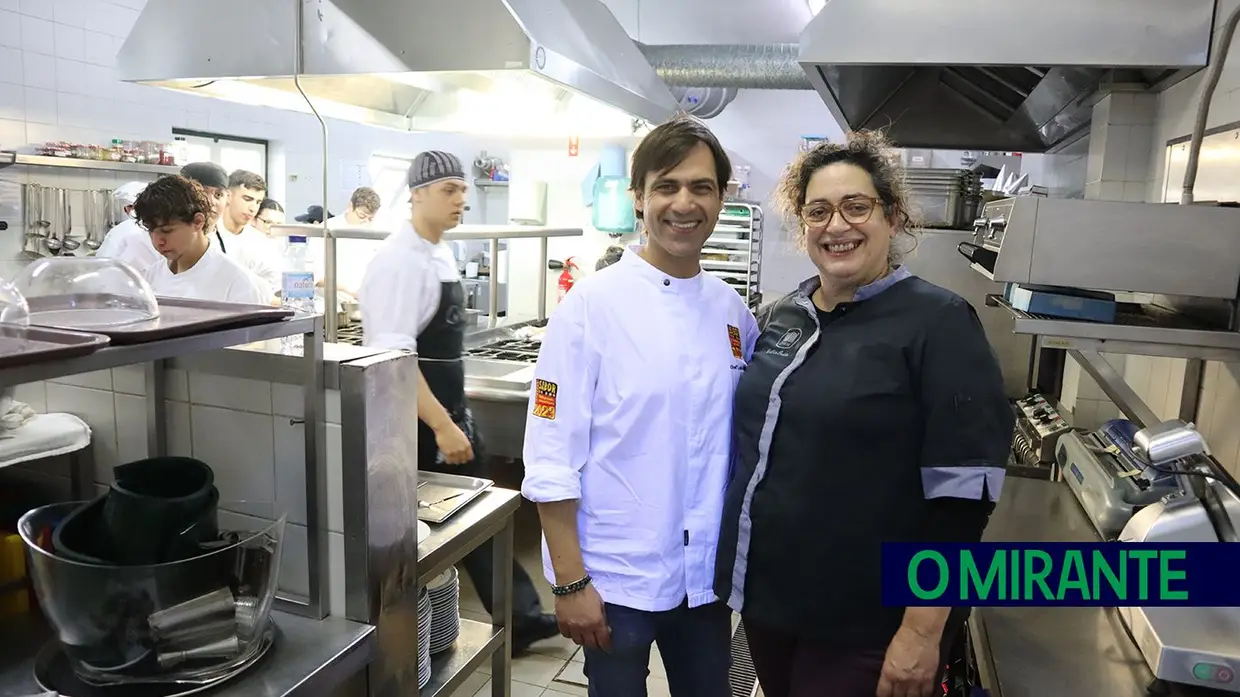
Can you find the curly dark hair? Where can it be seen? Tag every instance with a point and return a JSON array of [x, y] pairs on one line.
[[173, 199], [872, 152], [366, 199]]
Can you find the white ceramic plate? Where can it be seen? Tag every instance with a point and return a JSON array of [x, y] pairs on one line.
[[424, 531]]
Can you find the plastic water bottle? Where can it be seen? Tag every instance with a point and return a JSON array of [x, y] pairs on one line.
[[297, 284]]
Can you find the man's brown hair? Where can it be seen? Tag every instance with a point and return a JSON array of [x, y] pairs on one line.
[[365, 198], [173, 199], [245, 179], [668, 145]]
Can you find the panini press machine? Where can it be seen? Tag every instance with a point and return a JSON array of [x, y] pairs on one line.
[[1107, 477]]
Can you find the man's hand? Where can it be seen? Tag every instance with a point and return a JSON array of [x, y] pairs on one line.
[[453, 444], [582, 619]]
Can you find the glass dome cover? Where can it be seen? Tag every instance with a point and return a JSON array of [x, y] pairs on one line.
[[14, 311], [85, 293]]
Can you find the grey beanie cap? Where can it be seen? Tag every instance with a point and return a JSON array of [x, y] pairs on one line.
[[434, 166]]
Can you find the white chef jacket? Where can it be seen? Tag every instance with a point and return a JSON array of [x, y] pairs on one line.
[[352, 256], [631, 414], [401, 289], [128, 242], [255, 253], [216, 277]]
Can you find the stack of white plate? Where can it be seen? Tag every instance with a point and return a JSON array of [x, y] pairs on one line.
[[445, 592], [424, 638]]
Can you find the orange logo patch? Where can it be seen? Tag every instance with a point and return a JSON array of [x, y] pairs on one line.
[[544, 399], [734, 336]]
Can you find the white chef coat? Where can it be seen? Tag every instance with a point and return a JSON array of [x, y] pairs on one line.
[[401, 288], [631, 414], [128, 242], [352, 256], [255, 253], [216, 277]]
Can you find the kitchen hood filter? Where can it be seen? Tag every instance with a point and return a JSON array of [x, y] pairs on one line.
[[985, 75], [491, 67]]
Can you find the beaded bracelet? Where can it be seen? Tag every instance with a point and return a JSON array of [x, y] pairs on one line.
[[570, 588]]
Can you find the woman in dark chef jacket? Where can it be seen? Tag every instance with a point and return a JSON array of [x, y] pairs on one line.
[[873, 411]]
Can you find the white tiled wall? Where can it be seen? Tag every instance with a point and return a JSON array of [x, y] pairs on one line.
[[246, 430], [1218, 415]]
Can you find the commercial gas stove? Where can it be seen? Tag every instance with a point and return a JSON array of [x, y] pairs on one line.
[[351, 335], [513, 350]]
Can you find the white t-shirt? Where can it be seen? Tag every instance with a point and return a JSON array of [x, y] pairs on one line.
[[254, 252], [216, 277], [401, 289], [129, 243]]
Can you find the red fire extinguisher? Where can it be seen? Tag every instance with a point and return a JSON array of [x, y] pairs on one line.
[[566, 279]]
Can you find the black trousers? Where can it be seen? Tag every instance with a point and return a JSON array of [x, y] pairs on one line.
[[480, 563]]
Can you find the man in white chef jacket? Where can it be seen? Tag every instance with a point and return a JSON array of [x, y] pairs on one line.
[[627, 442], [412, 299], [179, 215], [127, 241], [214, 181], [352, 256]]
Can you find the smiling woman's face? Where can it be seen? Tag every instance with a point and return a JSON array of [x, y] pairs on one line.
[[847, 233]]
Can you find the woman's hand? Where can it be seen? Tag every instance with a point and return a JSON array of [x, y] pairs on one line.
[[911, 667]]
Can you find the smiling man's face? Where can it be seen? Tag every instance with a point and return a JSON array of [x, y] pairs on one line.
[[681, 206]]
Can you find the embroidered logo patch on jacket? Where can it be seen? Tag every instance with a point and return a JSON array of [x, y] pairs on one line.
[[544, 399], [734, 336]]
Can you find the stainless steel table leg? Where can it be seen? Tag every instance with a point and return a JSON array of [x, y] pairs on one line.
[[156, 409], [501, 611]]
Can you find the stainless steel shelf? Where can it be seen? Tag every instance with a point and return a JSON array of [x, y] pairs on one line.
[[490, 184], [460, 233], [11, 159], [463, 532], [117, 356], [1139, 329], [310, 658], [476, 643]]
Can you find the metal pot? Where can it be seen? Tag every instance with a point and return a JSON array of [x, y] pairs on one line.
[[350, 312]]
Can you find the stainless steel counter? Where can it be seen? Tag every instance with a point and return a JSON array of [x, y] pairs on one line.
[[311, 658], [1060, 651]]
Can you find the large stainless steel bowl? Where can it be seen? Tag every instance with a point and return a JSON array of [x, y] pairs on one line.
[[194, 619]]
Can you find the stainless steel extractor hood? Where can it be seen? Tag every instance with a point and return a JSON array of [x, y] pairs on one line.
[[491, 66], [994, 74]]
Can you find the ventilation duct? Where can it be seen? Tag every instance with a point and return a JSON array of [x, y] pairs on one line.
[[743, 66], [704, 102]]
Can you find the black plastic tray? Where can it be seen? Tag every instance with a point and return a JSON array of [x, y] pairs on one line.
[[21, 346], [177, 317]]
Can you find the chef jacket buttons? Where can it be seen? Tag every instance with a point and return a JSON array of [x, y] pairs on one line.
[[667, 281]]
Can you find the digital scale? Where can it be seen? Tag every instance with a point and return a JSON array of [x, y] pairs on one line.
[[1108, 478]]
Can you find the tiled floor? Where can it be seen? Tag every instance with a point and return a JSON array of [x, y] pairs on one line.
[[553, 668]]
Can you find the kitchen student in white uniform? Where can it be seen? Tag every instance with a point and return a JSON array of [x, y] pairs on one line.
[[178, 213], [246, 191], [352, 256], [214, 181], [127, 241], [628, 438], [412, 299]]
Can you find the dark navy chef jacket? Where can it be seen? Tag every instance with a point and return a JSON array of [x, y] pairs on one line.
[[848, 425]]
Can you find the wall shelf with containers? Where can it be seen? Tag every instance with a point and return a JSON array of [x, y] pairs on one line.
[[10, 159], [734, 250]]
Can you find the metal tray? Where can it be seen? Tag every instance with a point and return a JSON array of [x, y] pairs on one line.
[[177, 317], [21, 346], [440, 496]]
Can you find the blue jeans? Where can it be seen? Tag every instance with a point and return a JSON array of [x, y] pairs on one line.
[[696, 646]]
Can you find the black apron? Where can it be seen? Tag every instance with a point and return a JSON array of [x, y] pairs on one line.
[[441, 347]]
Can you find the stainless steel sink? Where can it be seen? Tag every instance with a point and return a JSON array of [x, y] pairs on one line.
[[500, 375]]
